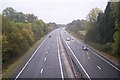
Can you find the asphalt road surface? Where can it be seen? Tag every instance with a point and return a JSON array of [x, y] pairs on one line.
[[90, 63], [46, 61]]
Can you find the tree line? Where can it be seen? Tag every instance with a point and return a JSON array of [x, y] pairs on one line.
[[77, 25], [19, 32], [103, 28], [18, 16]]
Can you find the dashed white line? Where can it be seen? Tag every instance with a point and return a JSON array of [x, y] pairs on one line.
[[48, 47], [45, 59], [60, 62], [41, 71], [98, 67], [30, 59], [101, 57], [88, 57], [105, 60], [46, 52]]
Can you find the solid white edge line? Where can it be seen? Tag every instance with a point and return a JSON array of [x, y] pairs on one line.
[[99, 56], [30, 59], [78, 60], [60, 62], [105, 60]]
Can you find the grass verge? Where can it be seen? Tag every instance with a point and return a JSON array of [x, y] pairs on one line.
[[108, 55], [98, 48], [11, 70]]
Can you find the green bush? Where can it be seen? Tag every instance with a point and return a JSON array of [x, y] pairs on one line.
[[97, 46], [108, 47], [18, 37]]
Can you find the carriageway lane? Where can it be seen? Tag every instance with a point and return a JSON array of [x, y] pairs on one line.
[[45, 63], [94, 65]]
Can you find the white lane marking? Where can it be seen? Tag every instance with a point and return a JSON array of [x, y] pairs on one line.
[[46, 52], [105, 60], [41, 71], [45, 59], [100, 57], [88, 57], [30, 59], [98, 67], [78, 61], [60, 62], [48, 47]]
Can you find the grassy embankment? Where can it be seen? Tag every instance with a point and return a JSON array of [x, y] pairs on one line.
[[9, 72]]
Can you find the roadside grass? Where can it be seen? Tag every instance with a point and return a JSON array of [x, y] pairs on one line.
[[97, 47], [9, 72], [77, 36], [82, 32], [108, 54]]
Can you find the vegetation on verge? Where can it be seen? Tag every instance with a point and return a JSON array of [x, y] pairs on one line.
[[103, 28], [19, 32]]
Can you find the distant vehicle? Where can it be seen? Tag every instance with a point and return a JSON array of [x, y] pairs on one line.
[[67, 39], [49, 36], [85, 47]]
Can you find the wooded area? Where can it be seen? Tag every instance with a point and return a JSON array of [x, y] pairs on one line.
[[103, 28], [19, 32]]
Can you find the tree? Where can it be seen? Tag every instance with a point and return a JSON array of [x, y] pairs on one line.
[[9, 12], [93, 29], [30, 17], [106, 22], [93, 14], [19, 32], [116, 43], [18, 16], [77, 25]]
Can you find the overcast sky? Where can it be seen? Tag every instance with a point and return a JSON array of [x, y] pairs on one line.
[[59, 11]]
